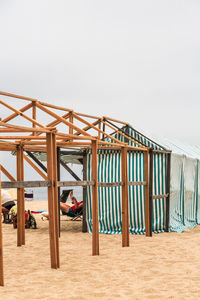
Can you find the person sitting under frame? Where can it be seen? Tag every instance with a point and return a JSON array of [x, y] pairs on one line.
[[69, 210]]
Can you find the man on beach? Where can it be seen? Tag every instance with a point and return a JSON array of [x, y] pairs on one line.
[[69, 210]]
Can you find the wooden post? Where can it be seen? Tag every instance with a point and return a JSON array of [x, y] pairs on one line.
[[51, 203], [104, 127], [20, 198], [150, 188], [125, 208], [56, 202], [148, 161], [146, 175], [58, 177], [1, 242], [95, 217], [168, 190], [34, 115], [99, 133], [84, 223], [126, 130], [71, 119]]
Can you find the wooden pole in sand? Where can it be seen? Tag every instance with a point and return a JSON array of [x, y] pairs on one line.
[[20, 198], [95, 217], [55, 186], [51, 202], [146, 175], [148, 161], [1, 242], [58, 179], [168, 191], [84, 223], [125, 208]]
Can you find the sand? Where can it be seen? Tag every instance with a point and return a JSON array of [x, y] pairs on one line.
[[166, 266]]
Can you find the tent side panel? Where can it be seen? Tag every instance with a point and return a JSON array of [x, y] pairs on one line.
[[109, 170]]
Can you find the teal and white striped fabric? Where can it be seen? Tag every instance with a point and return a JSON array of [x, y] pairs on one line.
[[109, 170], [185, 193], [109, 198]]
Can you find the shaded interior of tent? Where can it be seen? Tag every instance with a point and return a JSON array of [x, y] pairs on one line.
[[131, 184]]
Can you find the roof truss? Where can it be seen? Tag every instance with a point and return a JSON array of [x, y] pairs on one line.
[[34, 135]]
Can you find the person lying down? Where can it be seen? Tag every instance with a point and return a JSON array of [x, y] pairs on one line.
[[69, 210]]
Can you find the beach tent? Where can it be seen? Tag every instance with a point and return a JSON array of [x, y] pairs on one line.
[[110, 198], [184, 187]]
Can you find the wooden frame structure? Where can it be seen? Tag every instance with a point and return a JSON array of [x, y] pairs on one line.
[[47, 138]]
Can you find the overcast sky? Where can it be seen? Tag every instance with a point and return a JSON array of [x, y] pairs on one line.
[[138, 61]]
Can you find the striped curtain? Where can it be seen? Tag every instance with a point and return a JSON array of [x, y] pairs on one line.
[[185, 193], [109, 198]]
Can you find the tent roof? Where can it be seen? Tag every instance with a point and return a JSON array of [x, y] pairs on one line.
[[179, 147]]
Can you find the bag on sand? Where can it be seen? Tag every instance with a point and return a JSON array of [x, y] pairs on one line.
[[30, 221]]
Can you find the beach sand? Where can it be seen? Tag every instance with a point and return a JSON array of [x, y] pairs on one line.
[[166, 266]]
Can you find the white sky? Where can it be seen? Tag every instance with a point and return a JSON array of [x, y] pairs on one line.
[[138, 61]]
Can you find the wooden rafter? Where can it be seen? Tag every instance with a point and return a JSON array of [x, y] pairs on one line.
[[8, 175], [12, 116]]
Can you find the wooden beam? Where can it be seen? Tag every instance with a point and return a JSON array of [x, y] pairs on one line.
[[150, 188], [95, 215], [97, 129], [84, 223], [8, 175], [58, 178], [24, 184], [110, 184], [103, 129], [35, 148], [4, 147], [123, 134], [71, 121], [23, 109], [37, 161], [69, 170], [76, 183], [21, 114], [20, 199], [54, 106], [125, 208], [73, 152], [33, 116], [16, 96], [55, 123], [88, 126], [51, 202], [137, 183], [35, 167], [55, 198], [99, 133], [146, 175], [148, 161], [114, 120], [168, 191], [61, 119], [87, 116], [26, 129], [1, 242], [160, 196], [22, 137]]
